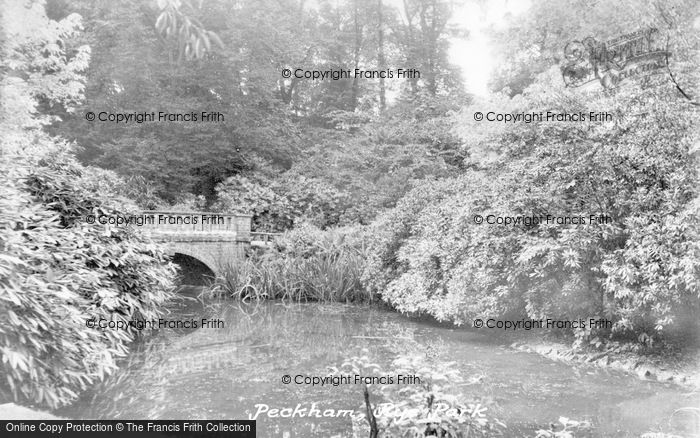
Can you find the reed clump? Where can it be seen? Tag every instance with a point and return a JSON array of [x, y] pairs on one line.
[[303, 264]]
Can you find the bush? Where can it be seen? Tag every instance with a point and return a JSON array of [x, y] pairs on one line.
[[640, 269], [56, 272], [277, 205]]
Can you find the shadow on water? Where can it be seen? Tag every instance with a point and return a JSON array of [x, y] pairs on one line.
[[230, 372]]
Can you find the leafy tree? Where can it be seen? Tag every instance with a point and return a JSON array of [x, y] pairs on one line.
[[423, 35], [145, 58]]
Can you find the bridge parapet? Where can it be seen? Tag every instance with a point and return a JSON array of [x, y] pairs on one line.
[[186, 225]]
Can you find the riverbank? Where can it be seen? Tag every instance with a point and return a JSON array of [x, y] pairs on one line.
[[674, 367], [680, 369]]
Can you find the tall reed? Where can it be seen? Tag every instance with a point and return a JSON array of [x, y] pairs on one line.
[[304, 264]]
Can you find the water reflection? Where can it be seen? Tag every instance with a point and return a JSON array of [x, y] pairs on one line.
[[224, 373]]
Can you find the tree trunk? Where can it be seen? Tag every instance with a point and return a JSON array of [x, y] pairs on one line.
[[381, 61], [358, 43]]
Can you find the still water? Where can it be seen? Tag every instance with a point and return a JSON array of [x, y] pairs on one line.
[[236, 371]]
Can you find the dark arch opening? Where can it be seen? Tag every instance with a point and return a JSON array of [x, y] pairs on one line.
[[192, 271]]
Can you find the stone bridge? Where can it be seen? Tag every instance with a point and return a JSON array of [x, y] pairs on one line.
[[216, 239]]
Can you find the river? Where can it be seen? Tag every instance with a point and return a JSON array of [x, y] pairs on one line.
[[236, 371]]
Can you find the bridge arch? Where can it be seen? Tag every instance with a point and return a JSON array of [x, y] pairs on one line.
[[196, 252], [193, 270]]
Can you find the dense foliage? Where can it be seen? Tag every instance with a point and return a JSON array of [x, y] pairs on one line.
[[355, 171], [640, 269], [276, 204], [56, 271]]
